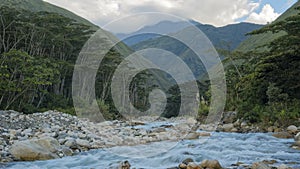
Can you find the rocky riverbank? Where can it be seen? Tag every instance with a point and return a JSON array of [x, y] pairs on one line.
[[52, 134], [215, 164], [49, 135]]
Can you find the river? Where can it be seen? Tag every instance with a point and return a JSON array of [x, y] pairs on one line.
[[228, 148]]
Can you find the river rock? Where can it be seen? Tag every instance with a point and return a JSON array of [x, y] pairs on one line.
[[228, 117], [66, 151], [211, 164], [296, 145], [227, 127], [297, 137], [124, 165], [244, 124], [292, 129], [35, 149], [204, 134], [83, 143], [192, 136], [284, 135], [193, 165], [70, 143], [187, 161], [260, 165], [271, 129], [283, 166], [158, 130], [234, 130], [182, 166]]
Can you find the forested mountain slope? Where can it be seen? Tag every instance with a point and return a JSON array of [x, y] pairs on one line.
[[257, 41], [263, 85]]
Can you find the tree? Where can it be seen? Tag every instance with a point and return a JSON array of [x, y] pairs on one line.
[[268, 81]]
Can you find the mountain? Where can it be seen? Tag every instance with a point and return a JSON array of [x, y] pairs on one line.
[[256, 41], [230, 36], [164, 27], [40, 5], [227, 37]]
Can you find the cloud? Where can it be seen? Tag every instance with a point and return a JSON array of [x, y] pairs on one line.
[[266, 15], [213, 12]]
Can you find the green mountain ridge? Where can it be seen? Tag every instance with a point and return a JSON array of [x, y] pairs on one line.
[[225, 38], [256, 41], [40, 5]]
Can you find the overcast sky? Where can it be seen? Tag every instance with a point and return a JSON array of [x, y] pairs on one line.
[[215, 12]]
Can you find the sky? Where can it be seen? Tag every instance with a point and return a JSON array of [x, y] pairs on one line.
[[214, 12]]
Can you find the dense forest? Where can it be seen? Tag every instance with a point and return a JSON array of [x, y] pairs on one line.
[[38, 54], [263, 85], [38, 51]]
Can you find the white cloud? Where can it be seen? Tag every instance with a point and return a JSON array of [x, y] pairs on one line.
[[266, 15], [213, 12]]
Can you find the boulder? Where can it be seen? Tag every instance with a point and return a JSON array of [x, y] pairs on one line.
[[193, 165], [234, 130], [271, 129], [283, 166], [284, 135], [192, 136], [204, 134], [83, 143], [292, 129], [260, 165], [124, 165], [70, 142], [211, 164], [227, 127], [244, 124], [182, 166], [296, 145], [48, 143], [228, 117], [66, 151], [35, 149], [159, 130], [187, 161], [297, 137]]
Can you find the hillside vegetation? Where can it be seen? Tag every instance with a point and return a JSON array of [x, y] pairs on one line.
[[38, 52], [264, 85], [40, 5], [256, 42]]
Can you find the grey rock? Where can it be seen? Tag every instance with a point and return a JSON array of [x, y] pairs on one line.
[[292, 129], [70, 143], [83, 143], [66, 151], [30, 150], [297, 137], [260, 165], [228, 127]]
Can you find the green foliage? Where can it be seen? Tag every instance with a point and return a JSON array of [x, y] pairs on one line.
[[40, 6], [37, 54], [258, 42], [105, 110], [39, 46], [263, 86], [203, 110]]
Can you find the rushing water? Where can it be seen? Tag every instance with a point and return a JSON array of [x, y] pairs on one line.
[[228, 148]]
